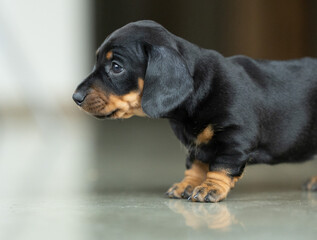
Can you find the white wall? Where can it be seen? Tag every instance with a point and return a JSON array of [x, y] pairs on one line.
[[45, 50]]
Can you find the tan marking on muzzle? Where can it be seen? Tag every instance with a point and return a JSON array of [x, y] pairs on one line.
[[99, 103]]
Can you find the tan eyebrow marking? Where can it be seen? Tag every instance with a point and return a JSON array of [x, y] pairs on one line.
[[109, 55]]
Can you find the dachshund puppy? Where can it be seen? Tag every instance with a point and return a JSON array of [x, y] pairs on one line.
[[228, 112]]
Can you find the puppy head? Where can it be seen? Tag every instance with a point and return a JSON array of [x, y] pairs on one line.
[[140, 71]]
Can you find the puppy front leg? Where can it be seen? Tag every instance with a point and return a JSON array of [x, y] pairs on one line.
[[222, 176], [215, 188], [193, 177]]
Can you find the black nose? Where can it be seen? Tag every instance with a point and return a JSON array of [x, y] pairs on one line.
[[79, 97]]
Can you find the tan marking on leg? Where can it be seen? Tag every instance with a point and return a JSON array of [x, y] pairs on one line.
[[193, 177], [205, 136], [140, 84], [109, 55], [234, 180], [215, 188]]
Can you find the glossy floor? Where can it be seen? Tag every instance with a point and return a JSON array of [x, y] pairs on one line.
[[149, 215]]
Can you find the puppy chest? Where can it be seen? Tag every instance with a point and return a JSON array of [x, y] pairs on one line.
[[191, 135]]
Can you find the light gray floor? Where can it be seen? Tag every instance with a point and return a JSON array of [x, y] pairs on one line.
[[148, 215]]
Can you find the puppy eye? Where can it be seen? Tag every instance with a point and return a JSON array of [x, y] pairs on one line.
[[116, 68]]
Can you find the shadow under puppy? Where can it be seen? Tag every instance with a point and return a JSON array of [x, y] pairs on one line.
[[228, 112]]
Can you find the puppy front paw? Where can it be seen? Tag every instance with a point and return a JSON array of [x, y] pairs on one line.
[[214, 189], [193, 177], [208, 193], [180, 190]]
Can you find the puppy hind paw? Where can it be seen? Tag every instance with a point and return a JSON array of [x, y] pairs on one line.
[[310, 184]]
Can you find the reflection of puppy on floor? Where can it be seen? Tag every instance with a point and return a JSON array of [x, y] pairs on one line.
[[229, 112], [216, 216]]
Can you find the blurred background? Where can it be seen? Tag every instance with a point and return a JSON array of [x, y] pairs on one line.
[[47, 47], [48, 147]]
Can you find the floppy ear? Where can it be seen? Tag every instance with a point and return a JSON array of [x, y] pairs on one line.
[[167, 81]]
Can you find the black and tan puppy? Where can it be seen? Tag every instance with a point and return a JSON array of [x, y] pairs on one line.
[[228, 112]]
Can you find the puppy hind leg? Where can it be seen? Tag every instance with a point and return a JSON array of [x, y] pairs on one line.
[[310, 184]]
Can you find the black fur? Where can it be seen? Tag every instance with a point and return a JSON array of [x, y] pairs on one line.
[[168, 83], [261, 111]]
